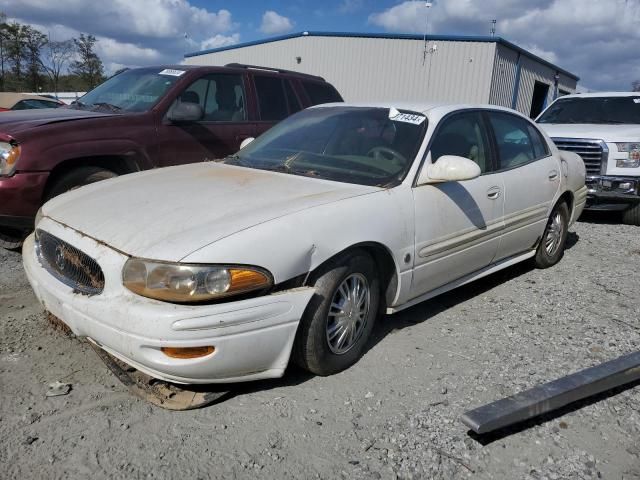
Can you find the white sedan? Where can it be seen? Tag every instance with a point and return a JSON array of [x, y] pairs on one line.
[[292, 248]]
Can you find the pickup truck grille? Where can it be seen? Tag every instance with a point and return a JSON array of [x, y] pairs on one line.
[[68, 264], [593, 152]]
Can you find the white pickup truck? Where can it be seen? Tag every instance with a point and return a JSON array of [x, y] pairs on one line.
[[604, 129]]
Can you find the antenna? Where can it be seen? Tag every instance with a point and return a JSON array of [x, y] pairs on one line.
[[426, 31], [493, 27]]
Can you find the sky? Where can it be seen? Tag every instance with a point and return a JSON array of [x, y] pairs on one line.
[[598, 40]]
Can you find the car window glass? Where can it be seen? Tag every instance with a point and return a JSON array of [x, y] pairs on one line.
[[294, 104], [515, 146], [221, 97], [321, 93], [463, 135], [31, 103], [539, 145], [271, 98]]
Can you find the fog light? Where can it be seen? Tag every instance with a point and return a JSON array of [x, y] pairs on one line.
[[187, 352], [624, 186], [632, 162]]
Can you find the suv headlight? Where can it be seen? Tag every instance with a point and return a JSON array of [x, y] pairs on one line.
[[634, 155], [9, 155], [188, 283]]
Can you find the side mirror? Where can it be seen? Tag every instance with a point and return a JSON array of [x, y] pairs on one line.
[[183, 112], [246, 142], [449, 168]]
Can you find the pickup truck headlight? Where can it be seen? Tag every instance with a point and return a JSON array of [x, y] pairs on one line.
[[634, 155], [9, 155], [189, 283]]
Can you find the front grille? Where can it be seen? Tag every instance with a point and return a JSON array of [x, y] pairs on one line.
[[68, 264], [593, 152]]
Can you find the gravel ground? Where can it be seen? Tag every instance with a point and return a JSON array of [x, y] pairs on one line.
[[393, 415]]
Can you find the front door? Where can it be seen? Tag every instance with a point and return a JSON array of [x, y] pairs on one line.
[[458, 224], [224, 126]]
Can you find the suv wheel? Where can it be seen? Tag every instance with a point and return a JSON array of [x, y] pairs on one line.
[[77, 178], [12, 239]]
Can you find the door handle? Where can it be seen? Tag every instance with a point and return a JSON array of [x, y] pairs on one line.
[[493, 193], [553, 175]]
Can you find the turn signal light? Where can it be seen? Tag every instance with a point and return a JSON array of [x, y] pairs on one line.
[[187, 352]]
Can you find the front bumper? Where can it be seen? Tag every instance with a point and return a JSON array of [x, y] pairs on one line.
[[612, 192], [252, 338], [20, 198]]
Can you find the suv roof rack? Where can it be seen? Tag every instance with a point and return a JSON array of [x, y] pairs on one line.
[[270, 69]]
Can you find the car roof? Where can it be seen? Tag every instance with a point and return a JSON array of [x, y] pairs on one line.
[[602, 94], [422, 107], [9, 99], [236, 67]]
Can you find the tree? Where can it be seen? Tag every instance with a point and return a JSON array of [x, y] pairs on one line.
[[16, 49], [34, 40], [635, 86], [3, 48], [57, 55], [88, 66]]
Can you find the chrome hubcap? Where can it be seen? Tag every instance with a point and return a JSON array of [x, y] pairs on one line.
[[348, 313], [554, 234]]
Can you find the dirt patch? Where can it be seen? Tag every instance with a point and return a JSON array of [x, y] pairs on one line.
[[392, 415]]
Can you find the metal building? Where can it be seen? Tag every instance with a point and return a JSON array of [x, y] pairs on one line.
[[406, 67]]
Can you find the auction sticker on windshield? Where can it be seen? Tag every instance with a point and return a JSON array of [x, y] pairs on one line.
[[397, 116], [172, 72]]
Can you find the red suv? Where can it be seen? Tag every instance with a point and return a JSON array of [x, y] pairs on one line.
[[140, 119]]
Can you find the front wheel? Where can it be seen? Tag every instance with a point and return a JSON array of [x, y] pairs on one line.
[[631, 216], [338, 321], [12, 239], [551, 247]]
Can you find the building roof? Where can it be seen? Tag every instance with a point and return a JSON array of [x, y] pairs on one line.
[[394, 36]]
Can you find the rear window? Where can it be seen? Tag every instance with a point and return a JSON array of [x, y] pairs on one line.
[[321, 93]]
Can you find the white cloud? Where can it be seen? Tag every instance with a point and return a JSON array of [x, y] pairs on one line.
[[350, 6], [408, 17], [272, 23], [597, 40], [220, 41]]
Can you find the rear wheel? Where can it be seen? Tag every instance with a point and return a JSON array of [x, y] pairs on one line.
[[631, 216], [338, 321], [77, 178], [551, 247]]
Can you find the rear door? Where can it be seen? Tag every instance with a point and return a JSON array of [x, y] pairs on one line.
[[276, 100], [531, 180], [226, 121]]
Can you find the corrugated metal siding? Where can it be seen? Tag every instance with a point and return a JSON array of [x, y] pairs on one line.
[[504, 75], [378, 68], [532, 71]]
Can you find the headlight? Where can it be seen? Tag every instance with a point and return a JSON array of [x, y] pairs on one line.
[[634, 155], [39, 216], [186, 283], [9, 155]]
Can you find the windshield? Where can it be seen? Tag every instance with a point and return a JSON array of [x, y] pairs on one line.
[[130, 91], [602, 110], [346, 144]]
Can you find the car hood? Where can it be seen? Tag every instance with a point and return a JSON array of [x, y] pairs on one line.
[[14, 122], [608, 133], [168, 213]]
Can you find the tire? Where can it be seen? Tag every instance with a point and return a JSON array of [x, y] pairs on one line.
[[551, 247], [318, 346], [631, 216], [12, 239], [77, 178]]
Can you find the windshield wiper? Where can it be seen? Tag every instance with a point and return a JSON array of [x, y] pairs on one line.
[[110, 106]]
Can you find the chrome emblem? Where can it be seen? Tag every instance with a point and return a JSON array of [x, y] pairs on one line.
[[60, 257]]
